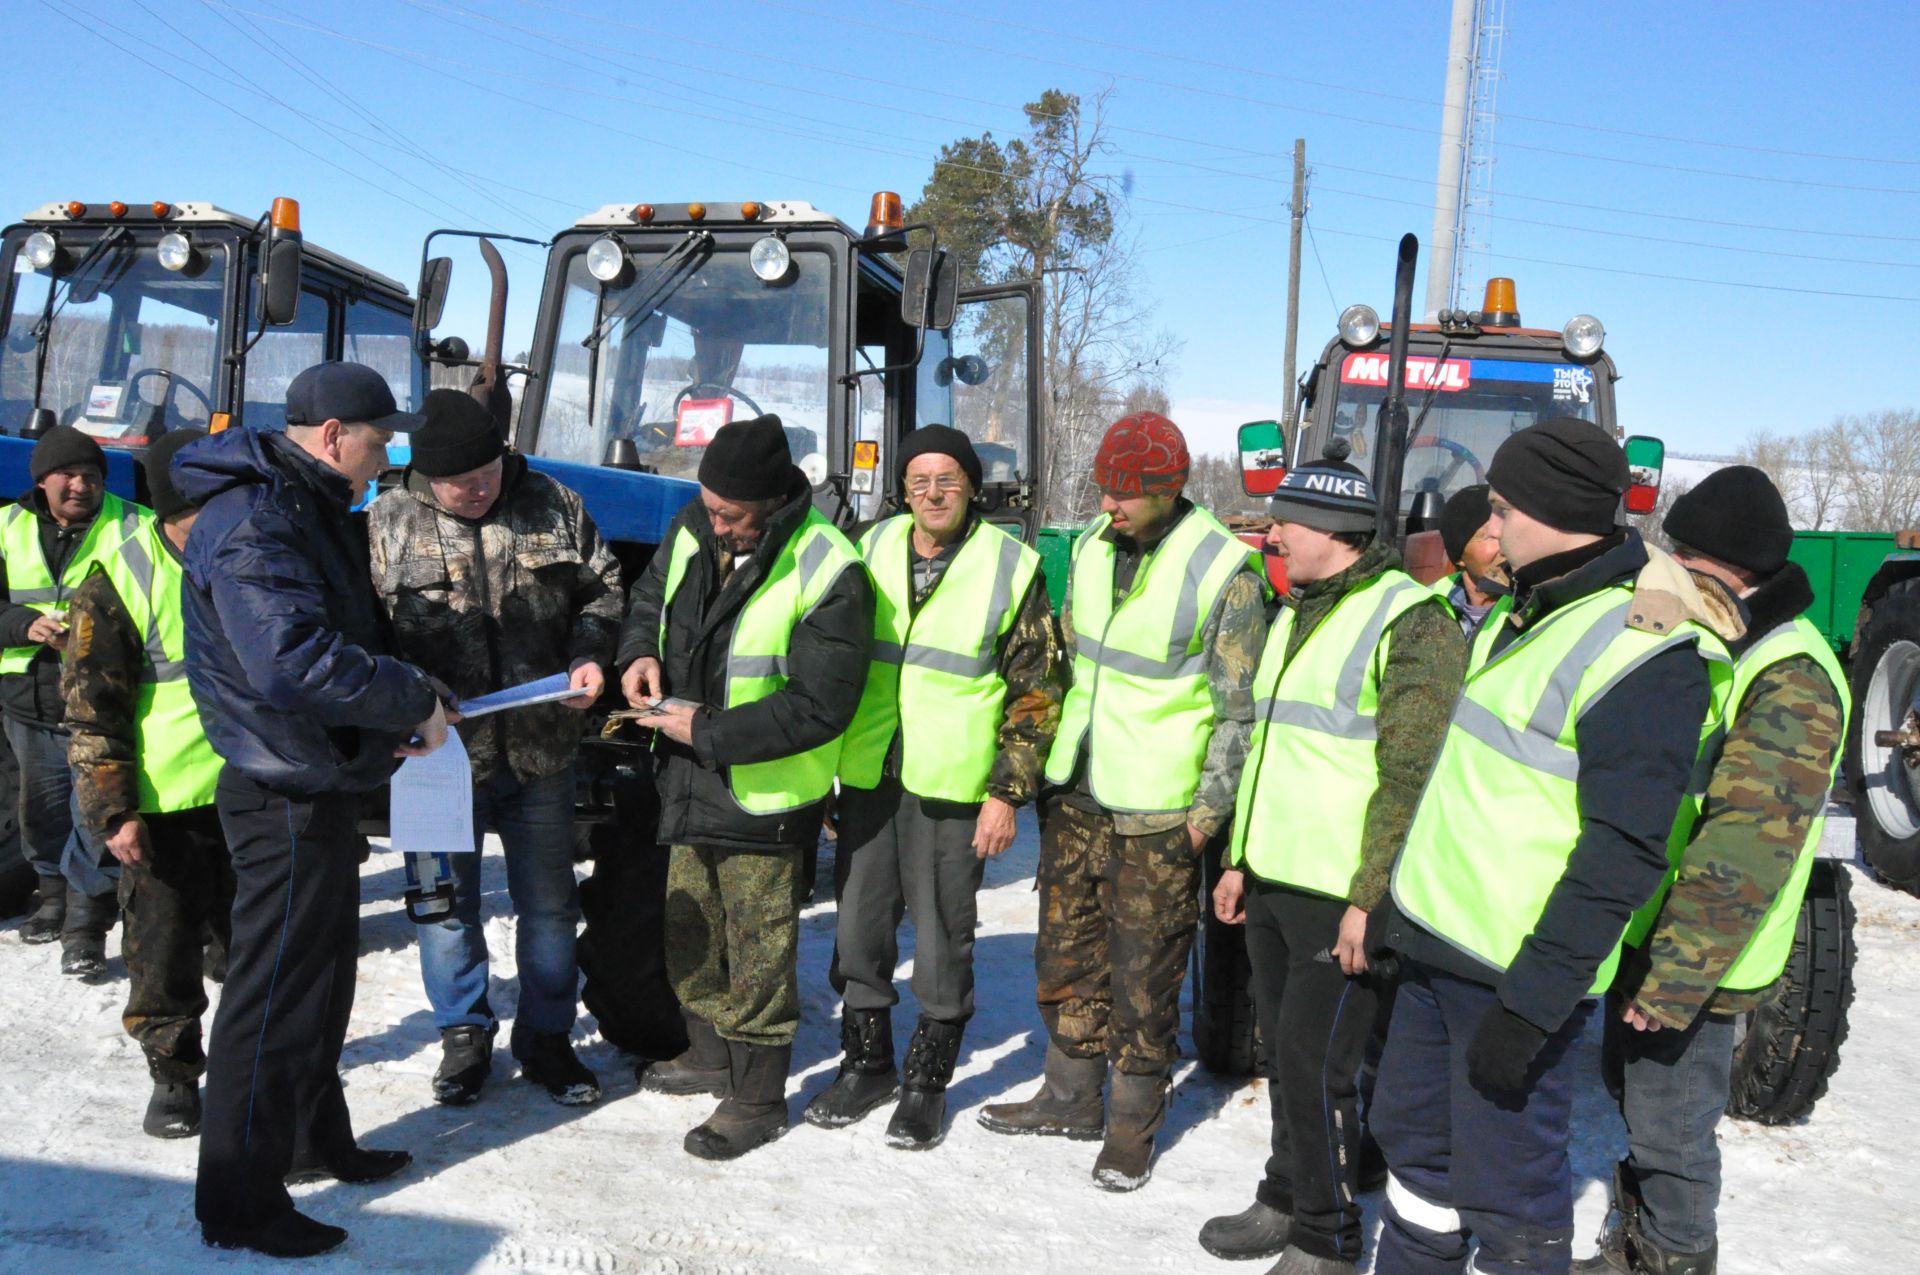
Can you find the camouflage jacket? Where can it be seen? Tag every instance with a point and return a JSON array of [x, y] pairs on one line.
[[1419, 683], [1768, 786], [1232, 638], [483, 604], [100, 678]]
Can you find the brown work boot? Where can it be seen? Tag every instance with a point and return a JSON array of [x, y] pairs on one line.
[[1067, 1106], [702, 1069], [1135, 1111], [755, 1112]]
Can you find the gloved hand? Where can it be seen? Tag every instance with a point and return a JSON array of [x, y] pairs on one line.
[[1503, 1047]]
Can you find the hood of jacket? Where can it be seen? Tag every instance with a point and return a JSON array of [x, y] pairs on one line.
[[1666, 595], [248, 457]]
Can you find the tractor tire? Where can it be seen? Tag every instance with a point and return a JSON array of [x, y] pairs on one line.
[[1883, 790], [622, 952], [1792, 1043], [18, 880], [1224, 1032]]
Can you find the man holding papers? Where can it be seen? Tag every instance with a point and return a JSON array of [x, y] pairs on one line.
[[494, 576]]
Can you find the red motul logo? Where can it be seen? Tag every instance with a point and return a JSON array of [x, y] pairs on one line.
[[1371, 369]]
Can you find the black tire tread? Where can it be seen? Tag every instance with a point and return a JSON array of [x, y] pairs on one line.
[[1896, 615], [1224, 1032]]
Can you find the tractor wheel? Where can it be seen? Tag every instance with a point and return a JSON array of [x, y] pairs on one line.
[[622, 953], [1884, 787], [1223, 1026], [1792, 1044], [18, 880]]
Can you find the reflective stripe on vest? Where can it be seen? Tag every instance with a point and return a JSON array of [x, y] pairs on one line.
[[1139, 706], [806, 567], [176, 766], [1500, 814], [1766, 952], [1303, 797], [935, 674], [30, 581]]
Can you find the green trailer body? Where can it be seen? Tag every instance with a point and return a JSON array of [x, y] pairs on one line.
[[1840, 565]]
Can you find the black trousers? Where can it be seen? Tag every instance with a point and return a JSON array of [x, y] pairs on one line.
[[273, 1090], [1314, 1025]]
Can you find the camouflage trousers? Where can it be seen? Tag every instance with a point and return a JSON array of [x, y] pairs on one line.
[[1117, 916], [733, 940], [171, 902]]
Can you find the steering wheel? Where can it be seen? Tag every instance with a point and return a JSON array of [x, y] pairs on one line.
[[726, 391], [1461, 456], [174, 381]]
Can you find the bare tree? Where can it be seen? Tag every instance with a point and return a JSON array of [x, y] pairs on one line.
[[1881, 478], [1648, 524]]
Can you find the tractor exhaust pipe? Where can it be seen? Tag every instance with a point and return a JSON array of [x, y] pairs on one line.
[[1390, 464], [489, 386]]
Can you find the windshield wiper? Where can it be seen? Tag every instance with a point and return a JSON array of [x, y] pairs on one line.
[[651, 289], [43, 329]]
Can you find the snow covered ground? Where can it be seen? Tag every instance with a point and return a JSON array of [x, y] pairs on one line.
[[516, 1183]]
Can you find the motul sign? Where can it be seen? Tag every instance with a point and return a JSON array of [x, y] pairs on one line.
[[1371, 369]]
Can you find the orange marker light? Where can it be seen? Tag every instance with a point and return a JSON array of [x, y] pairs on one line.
[[117, 208], [643, 212], [866, 455], [286, 215], [76, 210], [1501, 309], [218, 423], [161, 208], [750, 210], [696, 212], [887, 212]]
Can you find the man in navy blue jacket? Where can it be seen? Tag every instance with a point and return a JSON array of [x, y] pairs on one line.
[[287, 656]]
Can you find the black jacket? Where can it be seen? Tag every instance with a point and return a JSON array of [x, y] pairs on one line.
[[827, 672], [34, 696], [1637, 747], [288, 649]]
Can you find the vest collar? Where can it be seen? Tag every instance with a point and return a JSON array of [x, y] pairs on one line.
[[1543, 587]]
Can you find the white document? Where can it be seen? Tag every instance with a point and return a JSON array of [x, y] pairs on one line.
[[543, 691], [432, 801]]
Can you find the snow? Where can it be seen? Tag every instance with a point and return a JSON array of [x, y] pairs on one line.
[[516, 1183]]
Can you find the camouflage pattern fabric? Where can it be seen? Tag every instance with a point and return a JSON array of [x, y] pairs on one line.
[[733, 940], [1117, 915], [99, 680], [1767, 788]]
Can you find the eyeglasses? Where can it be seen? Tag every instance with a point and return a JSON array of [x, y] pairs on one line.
[[946, 484]]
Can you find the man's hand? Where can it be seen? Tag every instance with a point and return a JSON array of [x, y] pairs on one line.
[[993, 830], [585, 675], [50, 630], [1350, 949], [1198, 838], [1500, 1055], [1638, 1019], [1230, 897], [673, 721], [642, 681], [428, 735], [128, 841]]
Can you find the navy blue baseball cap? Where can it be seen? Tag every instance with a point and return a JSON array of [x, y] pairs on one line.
[[351, 393]]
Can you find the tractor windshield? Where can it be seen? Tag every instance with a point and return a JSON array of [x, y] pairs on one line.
[[711, 343], [120, 346], [1461, 410]]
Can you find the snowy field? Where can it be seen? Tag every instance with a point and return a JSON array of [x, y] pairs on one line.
[[517, 1183]]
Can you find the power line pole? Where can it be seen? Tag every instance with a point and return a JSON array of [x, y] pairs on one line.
[[1299, 209]]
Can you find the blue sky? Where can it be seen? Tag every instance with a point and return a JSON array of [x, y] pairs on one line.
[[1647, 155]]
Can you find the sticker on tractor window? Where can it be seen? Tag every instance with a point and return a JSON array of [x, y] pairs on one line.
[[104, 400], [700, 419], [1572, 385], [1371, 369]]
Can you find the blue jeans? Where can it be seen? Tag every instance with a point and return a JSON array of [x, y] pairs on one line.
[[51, 838], [535, 823], [1466, 1165], [1672, 1088]]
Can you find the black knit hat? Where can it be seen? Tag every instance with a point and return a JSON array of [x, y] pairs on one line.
[[456, 436], [748, 460], [942, 440], [162, 495], [1567, 473], [1736, 514], [1327, 494], [61, 446], [1466, 511]]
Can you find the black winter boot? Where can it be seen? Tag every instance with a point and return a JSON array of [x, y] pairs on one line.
[[702, 1069], [83, 936], [866, 1076], [49, 913], [755, 1113], [920, 1121], [1297, 1261], [1257, 1231], [1067, 1106], [1135, 1111], [552, 1064], [357, 1166], [466, 1060], [291, 1234], [174, 1109]]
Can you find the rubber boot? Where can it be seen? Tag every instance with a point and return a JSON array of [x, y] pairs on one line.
[[702, 1069], [1297, 1261], [83, 937], [866, 1076], [1257, 1231], [920, 1121], [174, 1109], [1136, 1109], [1067, 1106], [755, 1113], [49, 913]]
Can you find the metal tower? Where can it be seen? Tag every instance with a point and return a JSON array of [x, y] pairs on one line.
[[1463, 188]]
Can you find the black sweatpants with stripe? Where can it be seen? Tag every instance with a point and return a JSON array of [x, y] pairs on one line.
[[1314, 1025], [273, 1092]]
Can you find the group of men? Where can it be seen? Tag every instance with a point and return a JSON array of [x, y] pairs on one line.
[[1451, 816]]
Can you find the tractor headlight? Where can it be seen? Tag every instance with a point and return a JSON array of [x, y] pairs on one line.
[[175, 251], [41, 249], [606, 259], [770, 259], [1583, 336], [1359, 325]]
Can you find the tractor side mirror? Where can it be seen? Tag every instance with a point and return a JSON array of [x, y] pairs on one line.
[[931, 289], [280, 265], [1263, 457], [431, 296], [1646, 457]]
